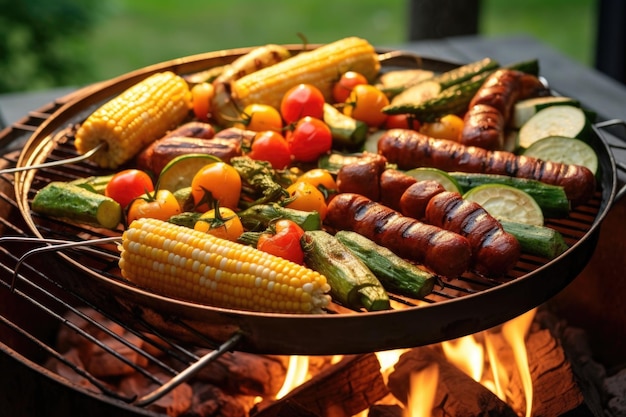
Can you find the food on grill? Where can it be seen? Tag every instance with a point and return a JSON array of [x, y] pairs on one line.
[[393, 183], [193, 129], [138, 116], [254, 60], [361, 176], [536, 240], [551, 198], [187, 264], [179, 172], [491, 108], [444, 252], [77, 204], [564, 150], [566, 121], [506, 202], [395, 273], [259, 216], [409, 149], [442, 177], [494, 251], [347, 132], [352, 283], [415, 199], [319, 67], [527, 108]]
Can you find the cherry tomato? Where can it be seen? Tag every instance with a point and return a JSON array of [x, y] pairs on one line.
[[272, 147], [402, 121], [321, 179], [300, 101], [343, 87], [223, 223], [160, 205], [309, 139], [307, 198], [365, 103], [260, 117], [285, 242], [216, 181], [447, 127], [127, 185], [201, 96]]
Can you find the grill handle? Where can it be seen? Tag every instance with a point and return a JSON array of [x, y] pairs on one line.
[[620, 165]]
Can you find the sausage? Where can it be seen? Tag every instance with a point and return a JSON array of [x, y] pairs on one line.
[[415, 199], [192, 130], [361, 177], [159, 153], [393, 184], [410, 149], [444, 252], [494, 251], [490, 110]]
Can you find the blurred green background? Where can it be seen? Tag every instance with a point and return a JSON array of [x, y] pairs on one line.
[[47, 43]]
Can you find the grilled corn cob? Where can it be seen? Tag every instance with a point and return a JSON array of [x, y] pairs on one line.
[[179, 262], [321, 67], [135, 118]]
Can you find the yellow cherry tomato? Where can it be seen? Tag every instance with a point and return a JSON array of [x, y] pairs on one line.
[[201, 96], [160, 205], [260, 117], [216, 181], [365, 103], [447, 127], [307, 198], [223, 223], [321, 179]]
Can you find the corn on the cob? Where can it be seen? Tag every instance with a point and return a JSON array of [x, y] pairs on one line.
[[135, 118], [321, 67], [180, 262]]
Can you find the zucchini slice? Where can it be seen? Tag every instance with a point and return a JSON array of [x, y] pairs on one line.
[[564, 150], [525, 109], [566, 121], [507, 203]]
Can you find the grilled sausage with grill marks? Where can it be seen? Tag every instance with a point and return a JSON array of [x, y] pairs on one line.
[[415, 199], [410, 149], [444, 252], [393, 184], [491, 107], [494, 251], [361, 177]]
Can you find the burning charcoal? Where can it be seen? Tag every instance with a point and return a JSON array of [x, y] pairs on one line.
[[209, 400], [172, 404], [102, 364]]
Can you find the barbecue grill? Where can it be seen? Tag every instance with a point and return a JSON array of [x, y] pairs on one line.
[[51, 284]]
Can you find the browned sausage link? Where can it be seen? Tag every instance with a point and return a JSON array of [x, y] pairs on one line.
[[393, 184], [361, 177], [494, 251], [409, 149], [490, 110], [483, 126], [415, 199], [531, 86], [445, 253], [193, 130]]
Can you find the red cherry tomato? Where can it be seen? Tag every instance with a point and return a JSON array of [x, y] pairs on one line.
[[127, 185], [285, 242], [272, 147], [300, 101], [402, 121], [309, 139], [343, 87], [160, 205]]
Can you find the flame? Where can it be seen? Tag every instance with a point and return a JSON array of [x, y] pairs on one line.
[[514, 332], [467, 355], [297, 373], [422, 391]]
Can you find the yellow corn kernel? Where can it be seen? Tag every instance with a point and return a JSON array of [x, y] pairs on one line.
[[321, 67], [135, 118], [183, 263]]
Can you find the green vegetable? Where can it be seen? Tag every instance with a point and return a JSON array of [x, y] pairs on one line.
[[525, 109], [536, 240], [394, 81], [565, 121], [395, 273], [347, 132], [97, 183], [258, 217], [77, 204], [551, 198], [333, 161], [258, 181], [564, 150], [186, 218], [465, 72], [352, 283]]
